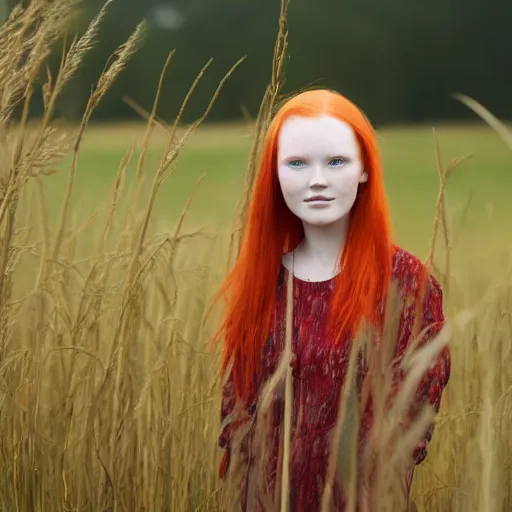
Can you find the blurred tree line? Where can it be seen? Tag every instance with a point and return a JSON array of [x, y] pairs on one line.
[[400, 60]]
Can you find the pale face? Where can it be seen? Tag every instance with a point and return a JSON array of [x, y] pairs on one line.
[[319, 167]]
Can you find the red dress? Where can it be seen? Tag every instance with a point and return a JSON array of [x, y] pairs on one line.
[[319, 369]]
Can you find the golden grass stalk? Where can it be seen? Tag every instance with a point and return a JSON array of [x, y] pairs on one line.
[[288, 398], [171, 153], [121, 56], [267, 107], [498, 126], [334, 461], [26, 38], [150, 123]]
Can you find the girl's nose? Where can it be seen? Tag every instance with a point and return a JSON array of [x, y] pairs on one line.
[[318, 179]]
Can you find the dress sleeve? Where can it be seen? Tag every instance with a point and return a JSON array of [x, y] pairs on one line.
[[233, 416], [436, 377]]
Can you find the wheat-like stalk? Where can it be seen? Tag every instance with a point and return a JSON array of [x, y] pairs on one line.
[[264, 117]]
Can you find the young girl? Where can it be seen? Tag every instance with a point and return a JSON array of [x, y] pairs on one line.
[[319, 215]]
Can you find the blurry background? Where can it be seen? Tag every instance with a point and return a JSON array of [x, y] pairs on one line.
[[399, 60]]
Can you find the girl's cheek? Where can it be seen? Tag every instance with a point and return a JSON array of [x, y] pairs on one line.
[[290, 183]]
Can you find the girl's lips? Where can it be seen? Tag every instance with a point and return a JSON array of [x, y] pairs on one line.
[[318, 198]]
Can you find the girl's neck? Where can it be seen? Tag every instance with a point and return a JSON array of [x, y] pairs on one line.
[[317, 257]]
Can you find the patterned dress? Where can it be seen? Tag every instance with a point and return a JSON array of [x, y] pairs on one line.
[[319, 369]]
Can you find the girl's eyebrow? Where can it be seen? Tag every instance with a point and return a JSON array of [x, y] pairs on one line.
[[293, 157]]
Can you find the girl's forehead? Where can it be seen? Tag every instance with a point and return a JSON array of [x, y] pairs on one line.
[[322, 133]]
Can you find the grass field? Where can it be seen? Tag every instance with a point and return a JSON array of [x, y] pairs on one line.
[[112, 396]]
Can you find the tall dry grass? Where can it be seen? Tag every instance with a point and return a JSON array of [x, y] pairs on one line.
[[109, 397], [103, 372]]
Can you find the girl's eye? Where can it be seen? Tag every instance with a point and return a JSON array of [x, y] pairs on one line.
[[337, 162], [296, 163]]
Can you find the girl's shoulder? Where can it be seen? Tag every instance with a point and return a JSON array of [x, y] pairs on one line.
[[405, 263], [408, 271]]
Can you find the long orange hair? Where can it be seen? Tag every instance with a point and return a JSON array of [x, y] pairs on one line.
[[272, 230]]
